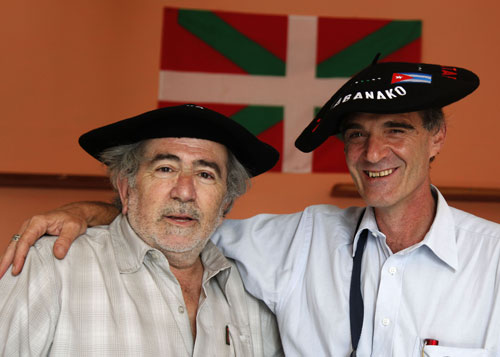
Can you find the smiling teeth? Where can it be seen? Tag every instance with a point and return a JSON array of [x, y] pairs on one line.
[[380, 173]]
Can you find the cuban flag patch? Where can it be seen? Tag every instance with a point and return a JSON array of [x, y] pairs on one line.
[[411, 78]]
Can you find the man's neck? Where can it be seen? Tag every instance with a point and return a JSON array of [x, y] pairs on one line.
[[408, 223], [190, 279]]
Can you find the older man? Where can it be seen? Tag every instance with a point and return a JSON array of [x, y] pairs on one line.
[[406, 276], [151, 283]]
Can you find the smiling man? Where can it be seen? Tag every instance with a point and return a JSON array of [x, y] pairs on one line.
[[388, 156], [151, 283], [407, 275]]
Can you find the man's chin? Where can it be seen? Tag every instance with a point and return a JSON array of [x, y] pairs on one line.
[[182, 257], [180, 244], [376, 199]]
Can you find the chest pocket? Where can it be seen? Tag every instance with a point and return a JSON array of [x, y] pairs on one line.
[[240, 341], [442, 351]]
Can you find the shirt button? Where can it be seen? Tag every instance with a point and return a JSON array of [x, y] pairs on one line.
[[386, 322], [181, 309], [393, 270]]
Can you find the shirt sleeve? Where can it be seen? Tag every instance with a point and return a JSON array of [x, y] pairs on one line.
[[269, 251], [29, 305]]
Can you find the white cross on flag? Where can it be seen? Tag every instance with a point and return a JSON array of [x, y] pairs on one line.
[[271, 73]]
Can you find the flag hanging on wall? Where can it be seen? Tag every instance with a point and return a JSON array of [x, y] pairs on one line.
[[271, 73]]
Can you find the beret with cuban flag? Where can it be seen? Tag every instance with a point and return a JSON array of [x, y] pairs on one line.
[[387, 88]]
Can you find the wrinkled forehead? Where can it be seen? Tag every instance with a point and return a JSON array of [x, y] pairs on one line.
[[188, 145], [356, 118], [187, 149]]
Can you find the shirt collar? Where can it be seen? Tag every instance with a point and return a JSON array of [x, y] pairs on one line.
[[367, 222], [130, 251], [215, 265], [129, 248], [440, 238]]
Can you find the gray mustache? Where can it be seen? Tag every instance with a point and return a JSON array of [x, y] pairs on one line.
[[181, 209]]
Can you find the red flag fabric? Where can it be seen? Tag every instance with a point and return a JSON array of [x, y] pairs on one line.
[[271, 73]]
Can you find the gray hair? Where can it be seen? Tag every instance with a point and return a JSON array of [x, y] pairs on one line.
[[238, 181], [124, 161], [432, 119]]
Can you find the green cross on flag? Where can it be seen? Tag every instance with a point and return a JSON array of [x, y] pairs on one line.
[[271, 72]]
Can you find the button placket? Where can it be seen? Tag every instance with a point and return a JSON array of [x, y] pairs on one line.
[[387, 304]]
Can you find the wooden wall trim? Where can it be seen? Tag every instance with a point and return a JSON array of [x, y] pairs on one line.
[[450, 193], [55, 181], [95, 182]]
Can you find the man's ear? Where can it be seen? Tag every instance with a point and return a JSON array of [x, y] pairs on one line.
[[123, 191], [437, 141], [226, 207]]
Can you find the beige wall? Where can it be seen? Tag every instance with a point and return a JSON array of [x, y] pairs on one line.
[[68, 66]]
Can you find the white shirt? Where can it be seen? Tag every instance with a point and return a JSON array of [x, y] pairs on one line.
[[445, 287], [114, 295]]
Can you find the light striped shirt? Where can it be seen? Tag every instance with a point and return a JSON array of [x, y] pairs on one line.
[[114, 295]]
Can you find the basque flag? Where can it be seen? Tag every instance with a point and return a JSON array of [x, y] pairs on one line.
[[271, 73]]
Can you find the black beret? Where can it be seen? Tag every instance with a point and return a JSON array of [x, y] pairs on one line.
[[184, 121], [385, 88]]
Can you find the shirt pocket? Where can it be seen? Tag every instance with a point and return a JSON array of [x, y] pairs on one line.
[[443, 351], [240, 340]]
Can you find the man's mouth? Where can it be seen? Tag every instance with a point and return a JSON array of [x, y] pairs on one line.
[[182, 215], [180, 218], [383, 173]]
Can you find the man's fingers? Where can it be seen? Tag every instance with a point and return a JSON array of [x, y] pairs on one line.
[[7, 258], [66, 225], [69, 232], [31, 230], [61, 246], [22, 248]]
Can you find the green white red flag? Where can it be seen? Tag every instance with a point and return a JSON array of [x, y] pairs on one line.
[[271, 73]]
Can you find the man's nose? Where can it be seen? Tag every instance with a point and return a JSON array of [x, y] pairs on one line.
[[184, 189], [376, 148]]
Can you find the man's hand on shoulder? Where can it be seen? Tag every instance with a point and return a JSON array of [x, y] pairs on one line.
[[68, 222]]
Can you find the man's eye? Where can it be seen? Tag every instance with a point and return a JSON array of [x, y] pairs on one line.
[[164, 169], [206, 175], [354, 134], [396, 131]]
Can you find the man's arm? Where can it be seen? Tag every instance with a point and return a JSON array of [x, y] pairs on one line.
[[67, 222], [267, 250]]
